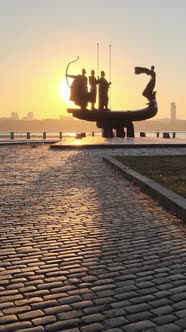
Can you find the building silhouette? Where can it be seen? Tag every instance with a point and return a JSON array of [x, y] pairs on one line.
[[29, 116], [172, 111], [14, 116]]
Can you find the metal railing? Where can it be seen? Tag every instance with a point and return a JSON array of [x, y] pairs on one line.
[[31, 135]]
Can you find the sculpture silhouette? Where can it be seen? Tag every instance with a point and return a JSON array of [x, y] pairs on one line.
[[79, 89], [148, 92], [118, 120], [103, 92], [93, 89]]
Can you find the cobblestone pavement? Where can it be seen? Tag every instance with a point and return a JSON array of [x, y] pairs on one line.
[[84, 250]]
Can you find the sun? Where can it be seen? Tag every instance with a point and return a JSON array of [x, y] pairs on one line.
[[64, 91]]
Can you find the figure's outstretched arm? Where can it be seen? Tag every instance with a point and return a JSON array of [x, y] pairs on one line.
[[71, 76]]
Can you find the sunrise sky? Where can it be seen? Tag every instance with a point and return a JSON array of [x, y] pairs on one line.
[[40, 37]]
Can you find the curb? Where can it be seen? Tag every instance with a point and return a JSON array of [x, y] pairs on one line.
[[167, 198], [27, 142], [64, 146]]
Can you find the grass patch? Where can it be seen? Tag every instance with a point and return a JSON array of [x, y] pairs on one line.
[[170, 171]]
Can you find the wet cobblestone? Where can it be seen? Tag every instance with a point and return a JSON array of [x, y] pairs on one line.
[[82, 249]]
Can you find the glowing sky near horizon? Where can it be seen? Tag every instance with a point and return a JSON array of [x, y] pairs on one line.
[[40, 37]]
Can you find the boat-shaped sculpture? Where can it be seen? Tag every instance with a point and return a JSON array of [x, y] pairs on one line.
[[108, 120]]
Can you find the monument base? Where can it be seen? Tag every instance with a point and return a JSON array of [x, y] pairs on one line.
[[119, 126], [107, 132]]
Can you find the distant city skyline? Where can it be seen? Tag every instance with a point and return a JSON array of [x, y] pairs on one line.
[[30, 115], [16, 116], [39, 39]]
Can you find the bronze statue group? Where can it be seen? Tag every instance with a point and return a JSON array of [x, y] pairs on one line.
[[81, 95], [83, 90]]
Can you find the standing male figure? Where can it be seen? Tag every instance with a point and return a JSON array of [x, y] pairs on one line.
[[103, 92], [93, 89]]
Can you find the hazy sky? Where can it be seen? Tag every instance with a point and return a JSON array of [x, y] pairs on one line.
[[40, 37]]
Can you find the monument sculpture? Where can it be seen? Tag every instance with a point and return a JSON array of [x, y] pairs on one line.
[[106, 119]]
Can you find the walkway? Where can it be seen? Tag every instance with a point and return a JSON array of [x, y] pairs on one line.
[[84, 250]]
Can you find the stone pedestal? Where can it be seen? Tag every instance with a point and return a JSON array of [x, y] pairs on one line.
[[120, 132], [107, 132]]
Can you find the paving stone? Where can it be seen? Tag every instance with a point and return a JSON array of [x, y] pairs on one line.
[[30, 314], [70, 314], [95, 309], [15, 326], [44, 320], [28, 301], [105, 293], [48, 285], [115, 322], [169, 327], [74, 330], [55, 296], [138, 308], [70, 299], [8, 319], [38, 293], [146, 284], [56, 309], [32, 329], [88, 296], [62, 325], [43, 304], [180, 305], [80, 291], [150, 290], [103, 301], [164, 319], [165, 286], [181, 322], [139, 316], [162, 294], [160, 302], [139, 326], [120, 304], [162, 310], [181, 313], [82, 249], [82, 304], [114, 330], [125, 296], [16, 310], [179, 289], [97, 327], [5, 305], [63, 289], [142, 299], [92, 318]]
